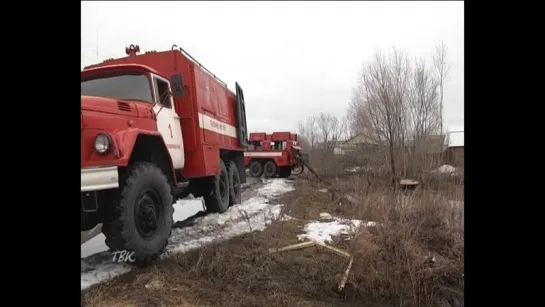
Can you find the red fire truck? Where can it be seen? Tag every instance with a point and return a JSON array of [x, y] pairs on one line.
[[155, 127], [273, 154]]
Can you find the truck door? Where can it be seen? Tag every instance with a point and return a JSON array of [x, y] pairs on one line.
[[241, 118], [168, 121]]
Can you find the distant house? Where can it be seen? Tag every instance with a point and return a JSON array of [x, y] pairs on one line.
[[353, 144], [455, 148], [431, 144], [360, 143], [337, 147]]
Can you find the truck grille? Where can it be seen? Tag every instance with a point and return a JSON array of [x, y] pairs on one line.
[[123, 106]]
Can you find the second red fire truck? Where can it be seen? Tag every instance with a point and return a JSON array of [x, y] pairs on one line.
[[273, 154]]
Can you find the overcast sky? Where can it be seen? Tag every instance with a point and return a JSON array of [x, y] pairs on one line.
[[292, 59]]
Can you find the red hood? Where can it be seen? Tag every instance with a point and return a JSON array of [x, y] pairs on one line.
[[109, 105]]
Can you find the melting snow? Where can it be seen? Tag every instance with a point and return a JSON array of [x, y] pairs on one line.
[[323, 230], [353, 169], [253, 214], [184, 208], [325, 216], [275, 187], [358, 169], [456, 203], [446, 169]]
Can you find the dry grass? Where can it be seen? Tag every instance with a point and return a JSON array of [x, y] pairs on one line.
[[392, 264]]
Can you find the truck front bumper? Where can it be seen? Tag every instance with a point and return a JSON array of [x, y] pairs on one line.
[[99, 178]]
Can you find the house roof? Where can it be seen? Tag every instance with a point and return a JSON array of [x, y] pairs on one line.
[[456, 139], [360, 138]]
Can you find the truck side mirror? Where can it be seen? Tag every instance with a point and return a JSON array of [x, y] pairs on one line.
[[177, 85]]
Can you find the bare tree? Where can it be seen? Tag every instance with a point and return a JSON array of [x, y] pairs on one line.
[[331, 130], [425, 114], [379, 102], [308, 131], [322, 131], [396, 103], [303, 142], [443, 69]]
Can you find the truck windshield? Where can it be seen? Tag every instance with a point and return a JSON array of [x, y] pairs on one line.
[[119, 87]]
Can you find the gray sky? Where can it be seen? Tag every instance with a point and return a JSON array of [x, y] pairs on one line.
[[292, 59]]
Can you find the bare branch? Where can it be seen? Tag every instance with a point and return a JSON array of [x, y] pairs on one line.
[[308, 131], [443, 68], [396, 103], [330, 130]]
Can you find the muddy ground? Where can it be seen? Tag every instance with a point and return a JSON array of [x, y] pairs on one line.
[[242, 272]]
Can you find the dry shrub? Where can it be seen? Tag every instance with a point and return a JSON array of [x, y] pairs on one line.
[[392, 262], [327, 164], [242, 272], [414, 256]]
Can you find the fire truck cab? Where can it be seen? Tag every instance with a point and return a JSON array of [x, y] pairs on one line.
[[155, 127]]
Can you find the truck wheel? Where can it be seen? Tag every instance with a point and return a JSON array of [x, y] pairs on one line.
[[284, 171], [256, 169], [218, 198], [143, 219], [270, 169], [235, 190], [298, 170]]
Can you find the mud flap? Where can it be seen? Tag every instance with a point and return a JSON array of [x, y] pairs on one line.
[[242, 128]]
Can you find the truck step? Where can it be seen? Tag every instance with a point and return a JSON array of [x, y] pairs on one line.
[[89, 202], [182, 184], [180, 178]]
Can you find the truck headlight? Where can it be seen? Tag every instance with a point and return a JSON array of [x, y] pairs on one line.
[[102, 143]]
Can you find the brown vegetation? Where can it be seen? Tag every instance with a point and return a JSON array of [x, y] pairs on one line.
[[414, 257], [397, 104]]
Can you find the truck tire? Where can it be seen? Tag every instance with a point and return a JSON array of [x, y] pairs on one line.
[[270, 169], [143, 219], [218, 198], [284, 171], [235, 190], [256, 169]]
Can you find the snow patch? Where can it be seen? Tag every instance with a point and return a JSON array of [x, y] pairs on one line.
[[99, 267], [275, 187], [325, 216], [445, 169], [241, 222], [357, 169], [456, 203], [254, 214], [322, 231], [184, 208], [354, 169]]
